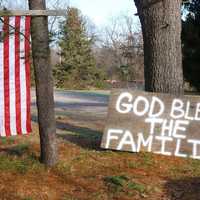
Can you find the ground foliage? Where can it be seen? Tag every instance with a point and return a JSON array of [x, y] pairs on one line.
[[86, 172]]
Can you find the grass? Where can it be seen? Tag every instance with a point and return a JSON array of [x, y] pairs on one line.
[[190, 167], [84, 133], [67, 197], [7, 141], [124, 184], [118, 181], [136, 186], [85, 172], [62, 169], [19, 149], [19, 159], [146, 159]]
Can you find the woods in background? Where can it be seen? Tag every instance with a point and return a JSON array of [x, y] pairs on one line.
[[114, 53], [191, 43], [120, 53], [93, 57]]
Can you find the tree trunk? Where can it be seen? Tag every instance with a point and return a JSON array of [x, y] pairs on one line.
[[161, 27], [44, 85]]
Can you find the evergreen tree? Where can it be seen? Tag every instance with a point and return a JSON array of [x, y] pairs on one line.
[[191, 43], [77, 68]]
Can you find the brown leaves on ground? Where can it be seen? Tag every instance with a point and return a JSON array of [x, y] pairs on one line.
[[86, 172]]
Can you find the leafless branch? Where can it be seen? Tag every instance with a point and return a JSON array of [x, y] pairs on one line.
[[15, 30]]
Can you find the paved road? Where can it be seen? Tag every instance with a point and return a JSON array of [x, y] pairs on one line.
[[91, 105]]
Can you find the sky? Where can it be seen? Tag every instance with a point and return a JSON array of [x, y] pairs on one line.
[[102, 11]]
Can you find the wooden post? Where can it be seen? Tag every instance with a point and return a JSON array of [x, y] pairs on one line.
[[44, 84], [33, 12]]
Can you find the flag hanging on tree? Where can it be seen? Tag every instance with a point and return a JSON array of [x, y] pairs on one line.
[[15, 116]]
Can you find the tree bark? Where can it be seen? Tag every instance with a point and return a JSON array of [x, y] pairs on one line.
[[161, 27], [44, 84]]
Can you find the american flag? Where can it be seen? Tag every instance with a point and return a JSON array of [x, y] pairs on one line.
[[15, 116]]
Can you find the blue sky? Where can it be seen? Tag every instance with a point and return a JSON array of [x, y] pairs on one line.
[[102, 11]]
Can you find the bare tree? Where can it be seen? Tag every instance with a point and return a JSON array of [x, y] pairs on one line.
[[51, 4], [122, 43]]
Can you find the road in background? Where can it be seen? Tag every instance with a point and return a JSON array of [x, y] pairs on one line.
[[90, 105]]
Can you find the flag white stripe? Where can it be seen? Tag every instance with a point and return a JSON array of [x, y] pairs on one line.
[[23, 77], [12, 77]]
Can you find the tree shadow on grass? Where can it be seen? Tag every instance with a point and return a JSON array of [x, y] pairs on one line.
[[21, 150], [16, 150], [183, 189], [84, 137]]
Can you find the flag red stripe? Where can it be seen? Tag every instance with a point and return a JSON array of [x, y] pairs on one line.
[[27, 67], [17, 74], [6, 76]]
